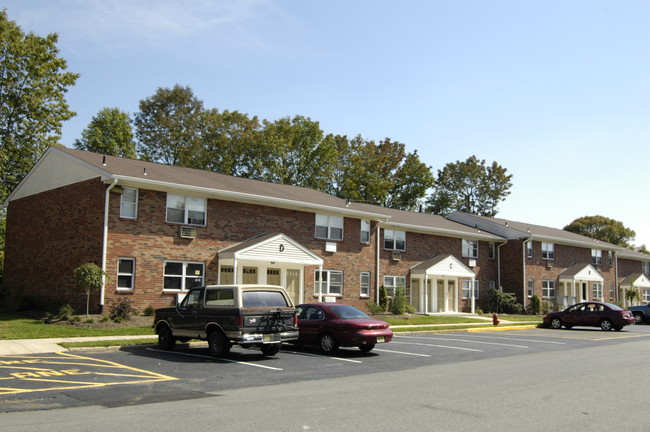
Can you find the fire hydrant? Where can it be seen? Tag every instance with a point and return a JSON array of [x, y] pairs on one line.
[[495, 319]]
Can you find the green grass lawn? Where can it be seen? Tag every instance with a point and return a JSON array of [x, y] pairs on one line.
[[16, 326]]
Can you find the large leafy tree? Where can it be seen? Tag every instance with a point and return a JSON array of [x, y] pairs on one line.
[[109, 132], [295, 152], [231, 143], [33, 83], [168, 127], [379, 173], [604, 229], [470, 186]]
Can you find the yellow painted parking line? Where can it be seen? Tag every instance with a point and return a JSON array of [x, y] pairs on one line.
[[589, 335], [64, 371]]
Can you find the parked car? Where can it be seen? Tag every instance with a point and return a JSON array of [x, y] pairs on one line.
[[641, 313], [334, 325], [607, 316]]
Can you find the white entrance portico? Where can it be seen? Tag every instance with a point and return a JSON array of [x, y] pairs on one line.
[[575, 284], [636, 281], [435, 284], [274, 259]]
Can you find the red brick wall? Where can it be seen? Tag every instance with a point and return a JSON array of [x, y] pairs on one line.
[[48, 236]]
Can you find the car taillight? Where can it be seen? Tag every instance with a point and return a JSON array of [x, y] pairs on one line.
[[240, 321], [295, 320]]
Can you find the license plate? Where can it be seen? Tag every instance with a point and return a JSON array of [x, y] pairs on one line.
[[381, 339]]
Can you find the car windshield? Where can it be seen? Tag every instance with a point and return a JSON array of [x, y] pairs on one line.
[[264, 299], [348, 312]]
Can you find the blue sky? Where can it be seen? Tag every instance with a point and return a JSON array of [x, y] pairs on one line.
[[557, 92]]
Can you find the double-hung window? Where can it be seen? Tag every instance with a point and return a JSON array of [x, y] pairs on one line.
[[646, 268], [129, 203], [125, 273], [529, 249], [470, 248], [183, 275], [467, 293], [597, 257], [548, 289], [186, 209], [364, 278], [597, 290], [329, 227], [329, 282], [394, 240], [391, 283], [531, 287], [365, 231], [548, 251]]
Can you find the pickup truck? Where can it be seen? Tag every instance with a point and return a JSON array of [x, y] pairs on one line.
[[641, 313], [260, 316]]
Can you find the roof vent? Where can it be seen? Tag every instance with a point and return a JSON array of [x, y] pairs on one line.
[[188, 232]]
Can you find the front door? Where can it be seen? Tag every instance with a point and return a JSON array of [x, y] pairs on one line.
[[293, 285]]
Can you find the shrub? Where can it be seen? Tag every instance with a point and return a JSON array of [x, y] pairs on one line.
[[547, 306], [149, 311], [383, 298], [503, 302], [122, 310], [534, 306], [374, 308], [398, 306], [65, 312]]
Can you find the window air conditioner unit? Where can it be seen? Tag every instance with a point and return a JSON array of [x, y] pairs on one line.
[[396, 256], [330, 247], [472, 262], [549, 264], [188, 232]]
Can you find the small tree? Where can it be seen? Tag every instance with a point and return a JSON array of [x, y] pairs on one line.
[[383, 298], [89, 279], [631, 295], [398, 307]]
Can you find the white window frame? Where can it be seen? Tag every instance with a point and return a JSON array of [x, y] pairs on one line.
[[645, 267], [646, 295], [184, 276], [332, 283], [331, 225], [597, 257], [611, 291], [392, 282], [597, 290], [548, 289], [465, 291], [529, 249], [130, 274], [129, 209], [530, 287], [470, 248], [548, 251], [393, 238], [365, 231], [492, 250], [187, 204], [364, 284], [611, 258]]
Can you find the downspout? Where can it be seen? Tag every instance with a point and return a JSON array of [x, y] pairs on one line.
[[377, 261], [524, 255], [616, 287], [105, 245]]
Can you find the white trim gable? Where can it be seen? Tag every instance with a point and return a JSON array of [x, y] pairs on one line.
[[277, 248], [445, 266], [586, 273]]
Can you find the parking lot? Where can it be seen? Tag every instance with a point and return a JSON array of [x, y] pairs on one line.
[[141, 375]]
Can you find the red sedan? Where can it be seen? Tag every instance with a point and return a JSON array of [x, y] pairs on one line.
[[334, 325]]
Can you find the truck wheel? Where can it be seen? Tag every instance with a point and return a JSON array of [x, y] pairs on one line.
[[218, 344], [166, 340], [638, 318], [270, 349]]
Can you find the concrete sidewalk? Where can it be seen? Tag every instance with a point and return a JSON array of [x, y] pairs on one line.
[[35, 346]]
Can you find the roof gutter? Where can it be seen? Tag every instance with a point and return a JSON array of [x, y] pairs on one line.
[[102, 289]]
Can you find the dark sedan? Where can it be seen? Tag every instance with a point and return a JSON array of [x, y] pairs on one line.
[[334, 325], [607, 316]]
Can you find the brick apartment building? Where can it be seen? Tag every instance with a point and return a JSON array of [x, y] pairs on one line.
[[157, 230]]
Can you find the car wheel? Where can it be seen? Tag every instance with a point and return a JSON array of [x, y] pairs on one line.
[[367, 347], [217, 344], [638, 318], [556, 323], [328, 344], [166, 340], [606, 325], [270, 349]]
